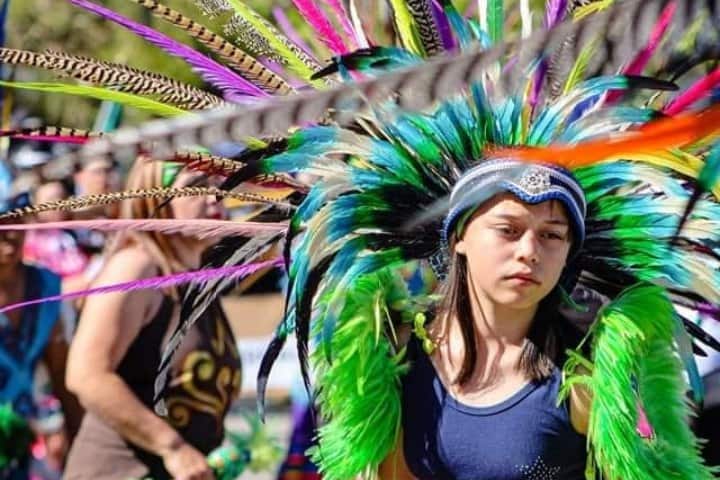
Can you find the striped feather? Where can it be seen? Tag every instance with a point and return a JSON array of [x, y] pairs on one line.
[[210, 164], [233, 86], [406, 27], [427, 29], [416, 86], [243, 63], [75, 203], [286, 26], [52, 134], [121, 77], [296, 60]]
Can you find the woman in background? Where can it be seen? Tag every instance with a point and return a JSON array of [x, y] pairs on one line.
[[117, 349]]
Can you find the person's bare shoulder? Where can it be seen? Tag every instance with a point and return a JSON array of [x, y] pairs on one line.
[[127, 264]]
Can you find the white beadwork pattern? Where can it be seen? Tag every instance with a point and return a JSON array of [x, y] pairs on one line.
[[535, 181], [539, 470]]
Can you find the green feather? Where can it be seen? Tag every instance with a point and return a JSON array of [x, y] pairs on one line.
[[406, 27], [297, 61], [99, 93], [360, 390], [592, 7], [577, 72], [495, 20], [15, 436], [635, 364]]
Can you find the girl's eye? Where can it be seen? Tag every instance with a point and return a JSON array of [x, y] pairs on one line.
[[507, 230], [554, 236]]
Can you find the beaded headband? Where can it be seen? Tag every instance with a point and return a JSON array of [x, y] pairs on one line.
[[531, 183]]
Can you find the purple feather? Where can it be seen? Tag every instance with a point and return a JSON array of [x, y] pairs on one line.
[[538, 81], [443, 25], [554, 12], [164, 281], [233, 86]]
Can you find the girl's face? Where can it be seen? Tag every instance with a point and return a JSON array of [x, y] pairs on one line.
[[516, 251], [192, 208]]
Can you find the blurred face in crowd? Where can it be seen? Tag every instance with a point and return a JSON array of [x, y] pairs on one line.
[[97, 176], [51, 192], [11, 246], [191, 208]]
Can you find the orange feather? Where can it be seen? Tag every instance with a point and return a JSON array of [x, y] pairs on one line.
[[662, 134]]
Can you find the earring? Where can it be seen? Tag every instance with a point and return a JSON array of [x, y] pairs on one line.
[[421, 333]]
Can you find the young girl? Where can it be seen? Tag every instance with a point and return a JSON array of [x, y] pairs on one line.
[[496, 347]]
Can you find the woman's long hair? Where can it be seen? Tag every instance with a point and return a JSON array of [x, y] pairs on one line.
[[147, 174]]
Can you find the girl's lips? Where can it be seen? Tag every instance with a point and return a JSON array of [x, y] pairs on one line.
[[524, 279]]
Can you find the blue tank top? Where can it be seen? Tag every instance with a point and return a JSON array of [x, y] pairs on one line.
[[21, 348], [525, 437]]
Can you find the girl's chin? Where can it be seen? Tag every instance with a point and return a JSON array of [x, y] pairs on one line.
[[518, 300]]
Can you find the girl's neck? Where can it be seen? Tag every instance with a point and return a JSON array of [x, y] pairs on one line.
[[500, 335]]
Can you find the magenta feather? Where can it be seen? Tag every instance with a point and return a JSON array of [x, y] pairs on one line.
[[342, 15], [164, 281], [233, 86], [53, 138], [325, 30], [196, 228], [638, 64], [286, 27], [694, 93]]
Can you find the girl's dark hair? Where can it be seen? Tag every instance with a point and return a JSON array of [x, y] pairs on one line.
[[550, 333]]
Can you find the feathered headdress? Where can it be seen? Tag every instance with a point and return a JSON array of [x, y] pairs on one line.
[[387, 136]]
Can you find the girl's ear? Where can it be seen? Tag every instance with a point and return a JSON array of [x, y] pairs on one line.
[[460, 247]]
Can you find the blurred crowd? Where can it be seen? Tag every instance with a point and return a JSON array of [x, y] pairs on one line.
[[82, 371], [36, 340]]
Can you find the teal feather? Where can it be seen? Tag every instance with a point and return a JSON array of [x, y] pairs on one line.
[[685, 351]]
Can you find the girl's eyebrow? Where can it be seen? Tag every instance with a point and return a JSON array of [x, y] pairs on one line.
[[557, 221], [507, 216], [510, 216]]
